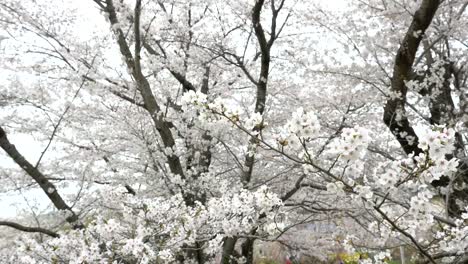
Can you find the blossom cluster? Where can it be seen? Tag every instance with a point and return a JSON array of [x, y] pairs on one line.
[[438, 145], [157, 229], [240, 212], [210, 113], [438, 142], [454, 238], [352, 145], [303, 124]]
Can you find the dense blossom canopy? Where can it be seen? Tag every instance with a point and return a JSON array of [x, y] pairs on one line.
[[192, 131]]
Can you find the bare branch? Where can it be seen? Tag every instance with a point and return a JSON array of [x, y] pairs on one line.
[[29, 229], [406, 234]]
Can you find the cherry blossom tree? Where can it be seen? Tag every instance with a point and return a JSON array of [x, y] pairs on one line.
[[188, 131]]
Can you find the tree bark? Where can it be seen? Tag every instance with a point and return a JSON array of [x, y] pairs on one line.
[[49, 189], [394, 111]]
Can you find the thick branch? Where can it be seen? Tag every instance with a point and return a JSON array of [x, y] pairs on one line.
[[29, 229], [205, 83], [143, 85], [394, 112], [406, 234], [300, 185], [49, 189], [261, 84], [265, 61], [228, 248], [186, 84]]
